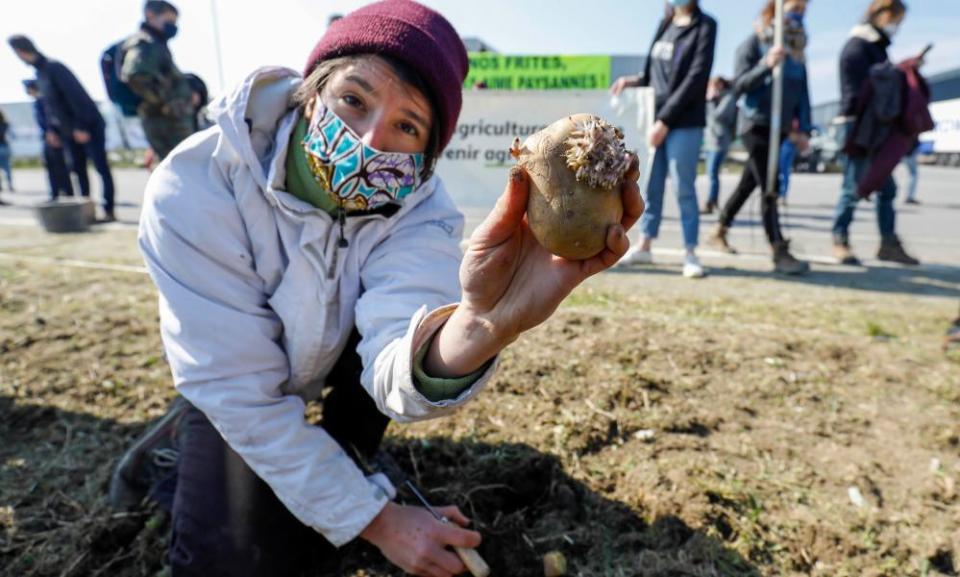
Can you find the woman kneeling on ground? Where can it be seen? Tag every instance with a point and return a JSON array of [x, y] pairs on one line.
[[305, 242], [756, 59]]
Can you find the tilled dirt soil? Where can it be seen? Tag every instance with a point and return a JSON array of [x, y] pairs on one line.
[[742, 425]]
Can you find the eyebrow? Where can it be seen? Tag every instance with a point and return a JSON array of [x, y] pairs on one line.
[[362, 82]]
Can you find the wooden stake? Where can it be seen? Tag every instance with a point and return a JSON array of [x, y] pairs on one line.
[[776, 109]]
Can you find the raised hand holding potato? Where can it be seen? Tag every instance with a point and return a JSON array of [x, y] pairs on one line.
[[512, 283]]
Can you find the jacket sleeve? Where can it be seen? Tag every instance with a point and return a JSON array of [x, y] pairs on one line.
[[750, 70], [412, 271], [803, 112], [854, 72], [140, 70], [72, 99], [223, 343], [726, 112], [40, 114], [693, 87], [645, 73], [644, 79]]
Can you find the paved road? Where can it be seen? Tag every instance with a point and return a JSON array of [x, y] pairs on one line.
[[930, 230]]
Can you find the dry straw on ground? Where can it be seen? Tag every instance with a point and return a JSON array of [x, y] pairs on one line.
[[651, 428]]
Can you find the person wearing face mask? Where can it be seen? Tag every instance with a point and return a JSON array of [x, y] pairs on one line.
[[74, 121], [678, 69], [756, 59], [166, 108], [866, 47], [302, 243]]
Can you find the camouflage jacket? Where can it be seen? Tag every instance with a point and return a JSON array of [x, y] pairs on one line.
[[148, 69]]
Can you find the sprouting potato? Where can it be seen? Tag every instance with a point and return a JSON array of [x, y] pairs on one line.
[[576, 166]]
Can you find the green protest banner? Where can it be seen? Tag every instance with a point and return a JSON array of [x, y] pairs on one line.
[[511, 72]]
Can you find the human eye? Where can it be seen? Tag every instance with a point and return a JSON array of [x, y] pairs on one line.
[[352, 101], [409, 129]]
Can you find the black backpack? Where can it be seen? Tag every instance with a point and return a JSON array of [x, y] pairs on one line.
[[119, 93]]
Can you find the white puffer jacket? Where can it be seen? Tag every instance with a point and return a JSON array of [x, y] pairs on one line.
[[257, 300]]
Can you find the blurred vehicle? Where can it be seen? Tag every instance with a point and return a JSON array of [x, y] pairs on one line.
[[824, 152], [942, 144]]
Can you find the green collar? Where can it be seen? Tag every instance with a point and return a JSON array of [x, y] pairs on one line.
[[300, 180]]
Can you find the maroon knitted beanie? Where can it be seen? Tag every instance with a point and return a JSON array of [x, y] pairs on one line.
[[413, 34]]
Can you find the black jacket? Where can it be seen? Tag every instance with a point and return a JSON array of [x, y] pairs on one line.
[[867, 46], [693, 57], [882, 105], [68, 105]]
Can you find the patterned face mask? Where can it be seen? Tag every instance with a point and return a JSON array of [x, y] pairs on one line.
[[357, 176]]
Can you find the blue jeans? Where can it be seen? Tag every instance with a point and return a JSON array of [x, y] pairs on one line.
[[853, 171], [910, 161], [715, 160], [788, 152], [5, 164], [678, 156]]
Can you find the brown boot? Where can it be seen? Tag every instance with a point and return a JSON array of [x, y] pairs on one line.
[[892, 251], [708, 208], [843, 254], [785, 263], [718, 240]]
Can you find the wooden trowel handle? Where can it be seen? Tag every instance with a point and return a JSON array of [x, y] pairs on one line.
[[474, 562]]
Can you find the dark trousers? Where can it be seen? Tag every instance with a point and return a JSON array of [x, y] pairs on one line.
[[57, 173], [227, 521], [164, 133], [757, 143], [96, 150]]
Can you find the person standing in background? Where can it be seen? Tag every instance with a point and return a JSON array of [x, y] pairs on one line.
[[866, 47], [75, 117], [678, 70], [54, 158], [166, 109], [756, 59], [721, 129], [911, 164], [5, 153]]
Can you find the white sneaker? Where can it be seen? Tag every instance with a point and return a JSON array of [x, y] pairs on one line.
[[636, 256], [692, 267]]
